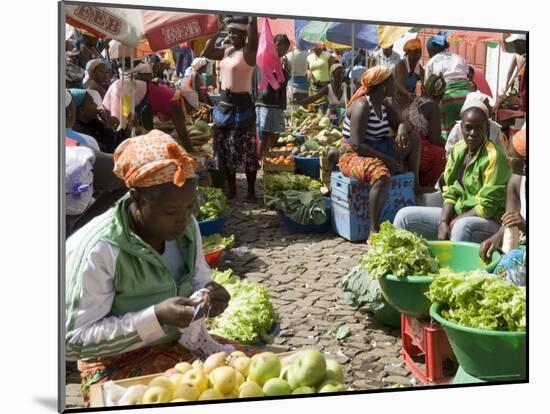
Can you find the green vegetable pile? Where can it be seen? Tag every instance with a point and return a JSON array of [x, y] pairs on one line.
[[479, 300], [361, 289], [277, 183], [211, 203], [250, 316], [398, 252], [303, 207], [216, 242]]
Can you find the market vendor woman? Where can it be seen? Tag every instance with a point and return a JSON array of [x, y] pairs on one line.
[[131, 271]]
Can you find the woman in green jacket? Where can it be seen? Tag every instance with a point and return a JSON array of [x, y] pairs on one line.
[[131, 273], [474, 194]]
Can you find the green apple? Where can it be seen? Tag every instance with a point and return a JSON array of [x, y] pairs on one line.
[[178, 400], [211, 394], [183, 367], [334, 371], [263, 367], [276, 386], [196, 377], [250, 389], [310, 367], [157, 394], [163, 382], [304, 390], [186, 391], [241, 364], [291, 378], [176, 379], [214, 361], [331, 386], [224, 379]]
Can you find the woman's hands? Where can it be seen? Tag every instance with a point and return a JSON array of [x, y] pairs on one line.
[[444, 231], [514, 218], [177, 311]]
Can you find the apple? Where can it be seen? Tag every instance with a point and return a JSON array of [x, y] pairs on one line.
[[224, 379], [156, 394], [240, 379], [169, 372], [250, 389], [291, 378], [310, 367], [176, 378], [332, 388], [304, 390], [178, 400], [276, 386], [237, 354], [186, 391], [196, 377], [183, 367], [214, 361], [163, 382], [263, 367], [241, 364], [334, 371], [198, 364], [211, 394]]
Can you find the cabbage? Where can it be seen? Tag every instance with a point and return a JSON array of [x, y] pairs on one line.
[[398, 252], [249, 317], [479, 300]]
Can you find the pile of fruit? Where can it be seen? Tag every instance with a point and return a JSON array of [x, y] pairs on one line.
[[235, 375], [199, 132], [280, 160], [286, 138]]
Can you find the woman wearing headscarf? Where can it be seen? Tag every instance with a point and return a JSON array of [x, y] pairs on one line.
[[337, 93], [235, 115], [371, 155], [516, 198], [424, 118], [495, 132], [195, 80], [407, 73], [98, 76], [454, 70], [132, 271], [475, 176]]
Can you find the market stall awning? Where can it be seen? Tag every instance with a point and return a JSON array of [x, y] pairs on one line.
[[280, 26], [491, 39]]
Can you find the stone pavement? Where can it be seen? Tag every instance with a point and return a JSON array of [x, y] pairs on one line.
[[303, 273]]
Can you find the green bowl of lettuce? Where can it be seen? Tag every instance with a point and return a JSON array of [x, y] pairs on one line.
[[407, 294], [489, 355]]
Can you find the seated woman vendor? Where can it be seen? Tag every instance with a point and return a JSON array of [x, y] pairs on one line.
[[474, 193], [132, 270]]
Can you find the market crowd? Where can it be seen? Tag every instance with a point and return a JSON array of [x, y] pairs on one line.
[[130, 187]]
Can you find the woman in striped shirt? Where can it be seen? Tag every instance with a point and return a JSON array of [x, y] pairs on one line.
[[371, 155]]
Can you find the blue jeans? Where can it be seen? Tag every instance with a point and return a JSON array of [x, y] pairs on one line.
[[424, 221]]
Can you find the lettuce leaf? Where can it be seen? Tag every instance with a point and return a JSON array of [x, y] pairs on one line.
[[398, 252]]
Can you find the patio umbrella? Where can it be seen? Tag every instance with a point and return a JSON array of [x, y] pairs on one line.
[[280, 26]]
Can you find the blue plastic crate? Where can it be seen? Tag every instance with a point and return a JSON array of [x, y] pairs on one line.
[[308, 166], [350, 204], [210, 227]]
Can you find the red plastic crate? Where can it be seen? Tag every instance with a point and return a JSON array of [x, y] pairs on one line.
[[428, 339]]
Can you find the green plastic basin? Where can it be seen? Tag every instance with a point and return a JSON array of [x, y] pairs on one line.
[[408, 294], [388, 315], [487, 355]]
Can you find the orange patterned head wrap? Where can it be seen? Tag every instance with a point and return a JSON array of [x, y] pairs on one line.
[[153, 159], [373, 76], [412, 45], [519, 141]]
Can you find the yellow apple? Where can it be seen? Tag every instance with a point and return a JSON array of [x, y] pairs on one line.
[[157, 394], [163, 382], [223, 379], [242, 364], [178, 400], [214, 361], [237, 354], [183, 367], [186, 391], [250, 389], [196, 377], [198, 364], [133, 396], [211, 394], [176, 379], [240, 379]]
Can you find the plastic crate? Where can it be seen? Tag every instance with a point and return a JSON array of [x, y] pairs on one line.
[[428, 339], [308, 166], [350, 203]]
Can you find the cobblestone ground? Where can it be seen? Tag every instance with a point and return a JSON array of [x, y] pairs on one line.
[[303, 273]]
